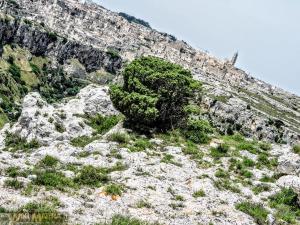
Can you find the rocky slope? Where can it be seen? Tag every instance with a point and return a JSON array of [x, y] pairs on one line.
[[243, 102], [68, 152], [161, 179]]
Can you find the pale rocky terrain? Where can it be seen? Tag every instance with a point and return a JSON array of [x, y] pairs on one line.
[[232, 88], [165, 182], [146, 178]]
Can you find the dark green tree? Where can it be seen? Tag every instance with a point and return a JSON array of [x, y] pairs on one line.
[[154, 94]]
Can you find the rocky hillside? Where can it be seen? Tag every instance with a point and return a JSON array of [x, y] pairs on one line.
[[66, 155], [243, 102]]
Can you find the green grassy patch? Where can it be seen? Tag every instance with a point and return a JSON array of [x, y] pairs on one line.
[[92, 176], [287, 206], [296, 149], [257, 211], [167, 158], [220, 151], [13, 183], [83, 141], [53, 179], [121, 138], [114, 189], [198, 194], [14, 142], [102, 124], [125, 220]]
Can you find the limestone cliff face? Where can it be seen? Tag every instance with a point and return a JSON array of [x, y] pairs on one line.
[[234, 100], [42, 42]]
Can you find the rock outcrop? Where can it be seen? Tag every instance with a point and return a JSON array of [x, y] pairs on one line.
[[39, 120]]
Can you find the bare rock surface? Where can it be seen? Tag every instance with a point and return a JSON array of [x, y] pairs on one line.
[[62, 121]]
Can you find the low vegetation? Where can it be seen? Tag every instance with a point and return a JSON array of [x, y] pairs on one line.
[[19, 75], [113, 189], [13, 183], [102, 124], [122, 138], [124, 220], [296, 149], [92, 176], [198, 194], [257, 211], [14, 142], [83, 141], [287, 206]]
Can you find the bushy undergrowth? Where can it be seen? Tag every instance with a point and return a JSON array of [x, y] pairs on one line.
[[125, 220], [92, 176], [101, 123], [296, 149], [287, 206], [198, 131], [14, 142], [257, 211]]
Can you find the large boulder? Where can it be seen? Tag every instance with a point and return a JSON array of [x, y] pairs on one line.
[[289, 164]]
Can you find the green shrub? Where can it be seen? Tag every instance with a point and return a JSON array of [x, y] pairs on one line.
[[101, 123], [198, 194], [220, 151], [113, 53], [52, 36], [296, 149], [14, 142], [240, 168], [124, 220], [258, 212], [14, 172], [154, 94], [198, 131], [226, 184], [13, 183], [53, 179], [141, 144], [49, 161], [267, 179], [113, 189], [35, 69], [35, 207], [222, 174], [15, 71], [248, 162], [261, 188], [265, 146], [119, 137], [169, 159], [59, 127], [287, 206], [2, 210], [91, 176], [192, 149], [286, 196], [82, 141], [133, 19]]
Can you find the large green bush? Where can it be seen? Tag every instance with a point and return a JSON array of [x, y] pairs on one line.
[[154, 94]]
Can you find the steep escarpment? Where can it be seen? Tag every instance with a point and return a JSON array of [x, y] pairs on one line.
[[42, 42], [249, 105]]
